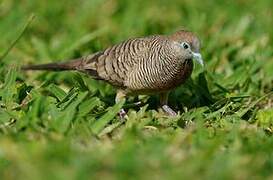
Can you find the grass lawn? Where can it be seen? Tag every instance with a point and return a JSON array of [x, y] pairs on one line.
[[63, 125]]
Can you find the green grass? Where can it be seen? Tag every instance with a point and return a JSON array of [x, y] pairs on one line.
[[64, 125]]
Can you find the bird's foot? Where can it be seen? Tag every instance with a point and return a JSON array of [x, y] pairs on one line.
[[169, 110], [122, 114], [139, 103]]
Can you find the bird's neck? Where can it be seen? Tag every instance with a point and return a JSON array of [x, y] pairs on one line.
[[178, 71]]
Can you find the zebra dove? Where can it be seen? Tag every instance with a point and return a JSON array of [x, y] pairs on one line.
[[153, 64]]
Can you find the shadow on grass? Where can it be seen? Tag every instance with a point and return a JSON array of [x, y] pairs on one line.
[[194, 93]]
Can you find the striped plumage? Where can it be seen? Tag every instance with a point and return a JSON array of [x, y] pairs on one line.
[[140, 65]]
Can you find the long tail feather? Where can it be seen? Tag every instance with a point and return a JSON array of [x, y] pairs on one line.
[[62, 66], [76, 64]]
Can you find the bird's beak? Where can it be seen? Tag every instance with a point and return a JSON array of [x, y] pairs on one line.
[[198, 58]]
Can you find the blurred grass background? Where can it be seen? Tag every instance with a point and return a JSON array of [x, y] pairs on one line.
[[64, 125]]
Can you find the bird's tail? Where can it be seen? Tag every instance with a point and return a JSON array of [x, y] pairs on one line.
[[61, 66], [86, 65]]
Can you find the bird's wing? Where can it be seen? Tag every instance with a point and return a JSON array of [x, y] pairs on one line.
[[115, 63]]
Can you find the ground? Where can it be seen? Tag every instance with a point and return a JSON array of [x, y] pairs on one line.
[[65, 125]]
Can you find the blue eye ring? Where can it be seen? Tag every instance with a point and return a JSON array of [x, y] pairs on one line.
[[185, 45]]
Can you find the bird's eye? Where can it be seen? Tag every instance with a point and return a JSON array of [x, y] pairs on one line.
[[185, 45]]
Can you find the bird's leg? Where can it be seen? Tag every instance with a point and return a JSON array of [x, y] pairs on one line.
[[164, 104], [121, 94]]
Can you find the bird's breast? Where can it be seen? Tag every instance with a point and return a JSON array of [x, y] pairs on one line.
[[160, 77], [179, 76]]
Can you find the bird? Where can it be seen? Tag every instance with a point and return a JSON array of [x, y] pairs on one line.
[[155, 64]]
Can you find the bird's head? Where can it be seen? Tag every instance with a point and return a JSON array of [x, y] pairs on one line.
[[189, 43]]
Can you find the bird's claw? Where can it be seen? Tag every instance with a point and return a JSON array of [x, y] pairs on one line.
[[122, 114], [169, 110]]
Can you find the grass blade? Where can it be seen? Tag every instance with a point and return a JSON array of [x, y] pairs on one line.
[[30, 19], [106, 118]]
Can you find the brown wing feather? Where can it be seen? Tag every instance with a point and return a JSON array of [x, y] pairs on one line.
[[115, 63]]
